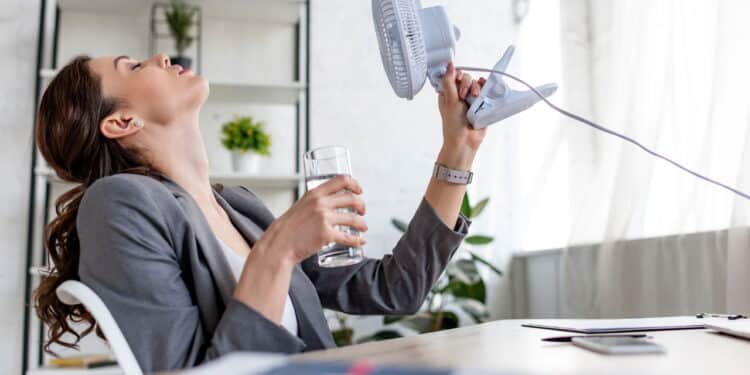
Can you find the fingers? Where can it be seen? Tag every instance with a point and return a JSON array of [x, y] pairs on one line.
[[449, 86], [348, 200], [464, 82], [476, 87], [337, 184], [348, 219], [338, 222], [347, 239]]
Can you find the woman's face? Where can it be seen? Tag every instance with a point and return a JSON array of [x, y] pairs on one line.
[[153, 90]]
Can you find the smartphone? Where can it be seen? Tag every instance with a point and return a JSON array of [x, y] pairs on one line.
[[618, 345]]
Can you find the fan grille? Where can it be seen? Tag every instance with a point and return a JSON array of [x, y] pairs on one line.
[[402, 46]]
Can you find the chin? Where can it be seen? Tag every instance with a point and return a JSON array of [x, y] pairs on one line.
[[200, 89]]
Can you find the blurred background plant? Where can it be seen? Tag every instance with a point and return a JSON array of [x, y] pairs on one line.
[[180, 19], [461, 290], [243, 134]]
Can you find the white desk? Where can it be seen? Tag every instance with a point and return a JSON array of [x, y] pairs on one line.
[[506, 347]]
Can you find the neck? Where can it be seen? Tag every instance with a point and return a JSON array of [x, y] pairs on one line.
[[183, 158]]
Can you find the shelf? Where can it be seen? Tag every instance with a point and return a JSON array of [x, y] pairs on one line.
[[285, 93], [275, 11], [268, 93], [109, 370], [267, 181], [48, 74], [39, 271], [289, 181]]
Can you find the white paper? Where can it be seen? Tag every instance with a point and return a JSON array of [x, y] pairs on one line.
[[626, 325]]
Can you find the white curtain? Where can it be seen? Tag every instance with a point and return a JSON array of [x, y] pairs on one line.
[[641, 237], [673, 74]]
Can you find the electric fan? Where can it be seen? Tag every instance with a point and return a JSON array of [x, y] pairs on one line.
[[417, 44]]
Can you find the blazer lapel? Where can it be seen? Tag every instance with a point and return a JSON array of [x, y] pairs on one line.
[[252, 209], [313, 327], [249, 215], [249, 230], [207, 242]]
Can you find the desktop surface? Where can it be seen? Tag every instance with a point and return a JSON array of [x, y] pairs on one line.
[[506, 347]]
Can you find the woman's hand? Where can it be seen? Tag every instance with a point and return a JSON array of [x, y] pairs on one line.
[[296, 235], [311, 222], [460, 140]]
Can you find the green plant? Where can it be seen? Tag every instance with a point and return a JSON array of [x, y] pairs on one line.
[[243, 134], [342, 336], [460, 288], [180, 18]]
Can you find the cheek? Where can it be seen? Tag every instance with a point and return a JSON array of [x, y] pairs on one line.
[[154, 95]]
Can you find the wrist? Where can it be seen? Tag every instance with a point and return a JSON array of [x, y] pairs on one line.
[[456, 157], [272, 256], [264, 268], [261, 267]]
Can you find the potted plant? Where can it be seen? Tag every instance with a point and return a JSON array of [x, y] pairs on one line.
[[180, 19], [247, 141]]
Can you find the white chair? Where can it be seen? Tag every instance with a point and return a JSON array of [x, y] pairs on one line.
[[73, 293]]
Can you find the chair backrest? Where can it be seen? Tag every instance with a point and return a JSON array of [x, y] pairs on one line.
[[73, 292]]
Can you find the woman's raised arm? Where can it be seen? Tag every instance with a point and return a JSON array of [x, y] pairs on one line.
[[399, 283]]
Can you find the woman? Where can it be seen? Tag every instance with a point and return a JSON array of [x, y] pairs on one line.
[[192, 271]]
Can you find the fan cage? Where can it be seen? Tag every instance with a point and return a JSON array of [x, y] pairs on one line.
[[402, 45]]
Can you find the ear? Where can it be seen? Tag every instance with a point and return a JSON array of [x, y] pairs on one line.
[[118, 125]]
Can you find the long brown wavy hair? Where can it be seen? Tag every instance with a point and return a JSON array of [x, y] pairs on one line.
[[68, 137]]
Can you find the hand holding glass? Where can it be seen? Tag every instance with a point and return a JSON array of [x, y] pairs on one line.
[[321, 165]]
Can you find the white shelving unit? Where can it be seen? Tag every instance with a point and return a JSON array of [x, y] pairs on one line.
[[264, 181], [282, 11], [228, 92], [290, 92]]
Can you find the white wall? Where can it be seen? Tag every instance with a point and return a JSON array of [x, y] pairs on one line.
[[18, 35]]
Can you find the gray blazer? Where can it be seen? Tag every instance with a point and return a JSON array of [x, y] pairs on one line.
[[148, 252]]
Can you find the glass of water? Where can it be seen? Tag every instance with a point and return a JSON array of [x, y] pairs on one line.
[[322, 164]]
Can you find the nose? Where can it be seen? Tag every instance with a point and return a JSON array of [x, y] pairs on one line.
[[160, 60]]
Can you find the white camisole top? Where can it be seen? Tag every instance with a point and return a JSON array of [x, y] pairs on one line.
[[237, 263]]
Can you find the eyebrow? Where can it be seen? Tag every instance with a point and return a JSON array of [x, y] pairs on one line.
[[118, 58]]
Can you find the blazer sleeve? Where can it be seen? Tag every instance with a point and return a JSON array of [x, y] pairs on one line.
[[396, 284], [128, 258]]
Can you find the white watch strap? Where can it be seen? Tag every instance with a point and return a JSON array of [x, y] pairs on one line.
[[453, 176]]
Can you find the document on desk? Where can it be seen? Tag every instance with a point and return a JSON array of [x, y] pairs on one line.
[[594, 326]]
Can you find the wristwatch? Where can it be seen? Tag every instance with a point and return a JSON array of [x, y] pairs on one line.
[[453, 176]]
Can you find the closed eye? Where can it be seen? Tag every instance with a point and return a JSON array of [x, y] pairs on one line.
[[135, 66]]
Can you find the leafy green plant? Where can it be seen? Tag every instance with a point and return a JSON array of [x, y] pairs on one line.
[[180, 18], [342, 336], [243, 134], [461, 288]]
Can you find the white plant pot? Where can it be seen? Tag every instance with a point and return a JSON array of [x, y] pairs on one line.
[[245, 162]]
